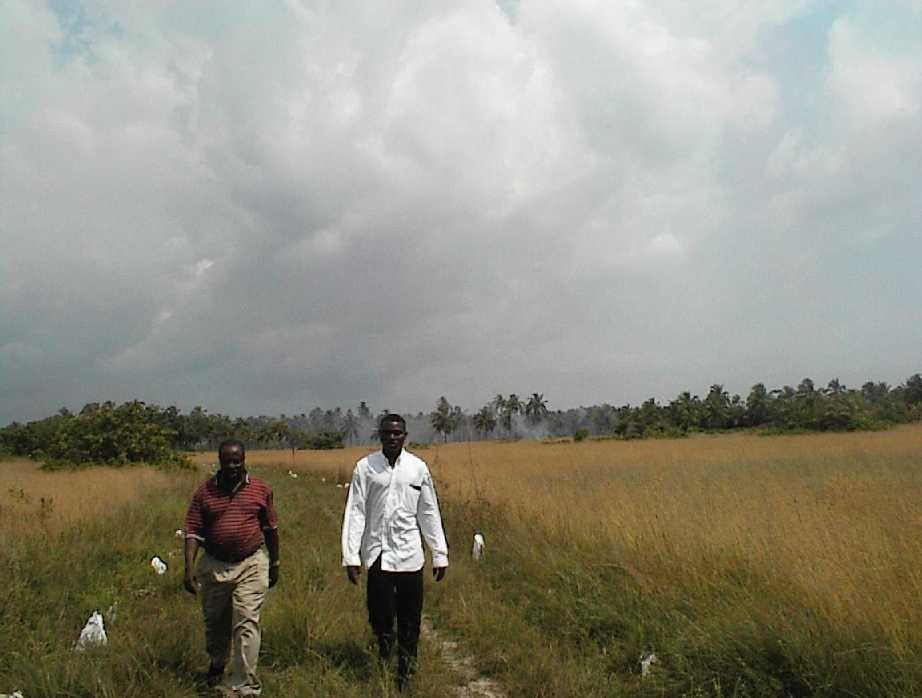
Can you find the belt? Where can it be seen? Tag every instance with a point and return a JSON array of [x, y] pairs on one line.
[[231, 559]]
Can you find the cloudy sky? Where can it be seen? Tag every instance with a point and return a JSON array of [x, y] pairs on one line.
[[264, 207]]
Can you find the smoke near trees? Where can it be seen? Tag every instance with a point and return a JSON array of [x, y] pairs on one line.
[[134, 431]]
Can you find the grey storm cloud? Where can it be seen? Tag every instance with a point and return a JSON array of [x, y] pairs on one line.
[[264, 207]]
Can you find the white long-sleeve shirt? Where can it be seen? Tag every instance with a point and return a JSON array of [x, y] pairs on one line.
[[386, 511]]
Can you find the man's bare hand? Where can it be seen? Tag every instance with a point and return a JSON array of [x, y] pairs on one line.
[[273, 576], [353, 572], [439, 573], [190, 582]]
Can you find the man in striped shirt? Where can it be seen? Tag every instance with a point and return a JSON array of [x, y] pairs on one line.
[[232, 516]]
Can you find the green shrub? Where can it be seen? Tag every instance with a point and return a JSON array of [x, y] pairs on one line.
[[108, 434], [324, 440]]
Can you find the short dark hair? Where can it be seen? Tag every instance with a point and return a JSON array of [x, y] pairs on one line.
[[392, 417], [230, 443]]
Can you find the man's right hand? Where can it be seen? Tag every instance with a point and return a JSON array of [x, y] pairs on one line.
[[190, 583], [353, 572]]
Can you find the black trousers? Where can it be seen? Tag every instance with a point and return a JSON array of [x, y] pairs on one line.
[[396, 596]]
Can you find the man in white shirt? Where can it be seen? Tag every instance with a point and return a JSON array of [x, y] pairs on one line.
[[391, 506]]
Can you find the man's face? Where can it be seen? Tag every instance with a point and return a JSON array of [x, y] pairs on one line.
[[232, 464], [392, 435]]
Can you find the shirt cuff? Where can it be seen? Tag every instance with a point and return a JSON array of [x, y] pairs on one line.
[[440, 560], [199, 538], [352, 562]]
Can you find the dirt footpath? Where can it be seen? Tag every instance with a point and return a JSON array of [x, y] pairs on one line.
[[475, 685]]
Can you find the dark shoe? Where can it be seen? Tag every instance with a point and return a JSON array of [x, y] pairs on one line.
[[385, 647], [406, 668], [403, 680], [214, 676]]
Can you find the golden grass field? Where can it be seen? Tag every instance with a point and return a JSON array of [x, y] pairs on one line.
[[838, 517], [31, 498], [737, 547]]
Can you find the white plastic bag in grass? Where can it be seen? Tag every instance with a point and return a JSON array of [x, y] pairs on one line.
[[478, 547], [159, 565], [647, 660], [93, 633], [14, 694]]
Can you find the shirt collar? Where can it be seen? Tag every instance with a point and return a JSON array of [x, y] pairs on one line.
[[396, 462], [217, 482]]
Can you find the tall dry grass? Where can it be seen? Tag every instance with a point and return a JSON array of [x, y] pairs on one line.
[[806, 549], [34, 499], [838, 517], [754, 566]]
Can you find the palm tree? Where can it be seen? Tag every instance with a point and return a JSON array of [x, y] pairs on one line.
[[443, 418], [912, 389], [717, 407], [350, 426], [684, 411], [535, 409], [757, 405], [275, 431], [511, 407], [485, 421]]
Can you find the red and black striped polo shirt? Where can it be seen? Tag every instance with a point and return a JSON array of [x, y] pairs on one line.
[[230, 524]]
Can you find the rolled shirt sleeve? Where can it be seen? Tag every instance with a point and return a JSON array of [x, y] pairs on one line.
[[268, 516], [195, 520]]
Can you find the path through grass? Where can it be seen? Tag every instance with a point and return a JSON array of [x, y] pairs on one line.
[[784, 566]]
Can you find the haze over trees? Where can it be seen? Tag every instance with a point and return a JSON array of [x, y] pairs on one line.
[[107, 433]]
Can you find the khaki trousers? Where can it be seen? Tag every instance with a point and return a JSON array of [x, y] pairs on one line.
[[232, 597]]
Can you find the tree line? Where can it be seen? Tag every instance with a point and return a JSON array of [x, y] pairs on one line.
[[134, 431], [788, 409]]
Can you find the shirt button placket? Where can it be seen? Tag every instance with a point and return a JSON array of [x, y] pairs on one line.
[[389, 515]]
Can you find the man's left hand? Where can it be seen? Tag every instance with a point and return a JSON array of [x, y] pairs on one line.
[[273, 576], [439, 573]]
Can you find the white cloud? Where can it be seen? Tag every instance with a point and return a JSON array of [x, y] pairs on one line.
[[873, 85], [321, 203], [202, 266]]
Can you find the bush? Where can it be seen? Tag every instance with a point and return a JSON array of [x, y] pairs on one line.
[[634, 430], [106, 435], [324, 440], [915, 413], [580, 434], [666, 431]]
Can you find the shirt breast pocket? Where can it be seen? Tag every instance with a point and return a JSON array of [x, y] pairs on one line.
[[411, 495]]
